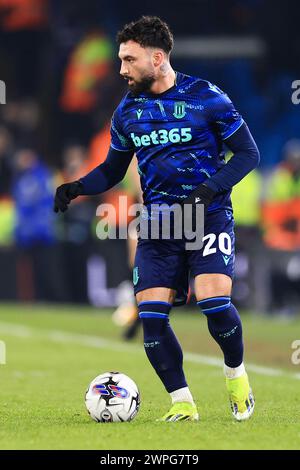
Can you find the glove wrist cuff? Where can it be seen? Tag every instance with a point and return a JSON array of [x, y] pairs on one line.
[[79, 187], [202, 194], [205, 192]]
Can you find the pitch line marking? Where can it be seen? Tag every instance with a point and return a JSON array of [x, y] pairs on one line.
[[103, 343]]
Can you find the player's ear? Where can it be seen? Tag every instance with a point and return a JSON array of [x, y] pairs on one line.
[[158, 58]]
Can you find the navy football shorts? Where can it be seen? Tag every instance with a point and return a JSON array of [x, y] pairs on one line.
[[167, 263]]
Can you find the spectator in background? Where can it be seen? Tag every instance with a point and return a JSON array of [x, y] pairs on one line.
[[32, 192], [281, 224], [38, 269]]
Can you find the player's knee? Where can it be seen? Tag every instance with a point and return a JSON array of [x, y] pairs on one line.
[[208, 286], [162, 294]]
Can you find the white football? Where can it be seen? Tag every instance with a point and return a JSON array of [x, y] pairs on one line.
[[112, 397]]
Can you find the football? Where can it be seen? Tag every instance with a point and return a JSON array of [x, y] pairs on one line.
[[112, 397]]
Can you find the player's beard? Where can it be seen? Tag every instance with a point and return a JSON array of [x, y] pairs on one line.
[[143, 85]]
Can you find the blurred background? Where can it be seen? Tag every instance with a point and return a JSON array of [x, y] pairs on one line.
[[58, 59]]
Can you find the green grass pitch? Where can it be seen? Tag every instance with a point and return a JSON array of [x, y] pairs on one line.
[[54, 352]]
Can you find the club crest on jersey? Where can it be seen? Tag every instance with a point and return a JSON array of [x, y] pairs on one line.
[[135, 275], [179, 110]]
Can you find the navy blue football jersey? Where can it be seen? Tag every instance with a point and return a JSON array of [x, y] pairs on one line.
[[177, 137]]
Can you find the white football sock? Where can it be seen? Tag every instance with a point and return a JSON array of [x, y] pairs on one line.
[[234, 372], [182, 394]]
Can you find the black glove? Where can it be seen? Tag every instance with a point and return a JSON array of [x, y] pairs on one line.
[[65, 193], [201, 195]]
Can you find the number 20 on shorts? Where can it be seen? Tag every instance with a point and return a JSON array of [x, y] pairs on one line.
[[224, 243]]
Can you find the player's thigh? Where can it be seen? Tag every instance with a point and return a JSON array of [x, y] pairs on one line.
[[213, 265], [162, 294], [212, 285], [159, 271], [131, 246]]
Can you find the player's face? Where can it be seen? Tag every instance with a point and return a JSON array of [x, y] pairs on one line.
[[137, 66]]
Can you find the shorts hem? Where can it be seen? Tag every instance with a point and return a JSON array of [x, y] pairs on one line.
[[231, 275], [151, 286], [176, 303]]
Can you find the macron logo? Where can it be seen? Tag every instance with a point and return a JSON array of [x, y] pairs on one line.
[[197, 199], [226, 259], [139, 113]]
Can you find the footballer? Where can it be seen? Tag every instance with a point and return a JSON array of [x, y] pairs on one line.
[[177, 125]]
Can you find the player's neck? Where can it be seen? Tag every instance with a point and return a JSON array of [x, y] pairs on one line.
[[164, 82]]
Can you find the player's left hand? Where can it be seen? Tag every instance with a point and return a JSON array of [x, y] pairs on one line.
[[64, 195], [201, 195]]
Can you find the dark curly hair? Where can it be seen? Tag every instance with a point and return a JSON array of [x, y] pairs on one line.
[[148, 31]]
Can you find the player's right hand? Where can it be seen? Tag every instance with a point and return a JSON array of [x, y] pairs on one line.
[[64, 195]]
